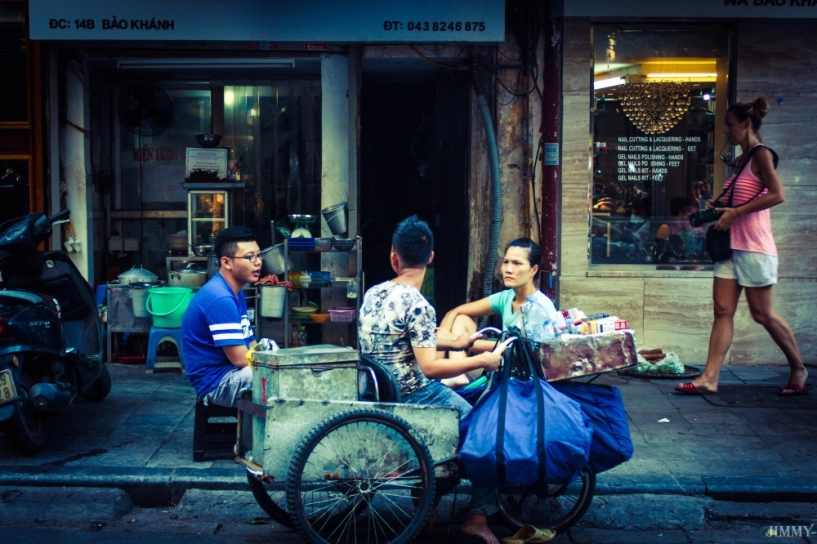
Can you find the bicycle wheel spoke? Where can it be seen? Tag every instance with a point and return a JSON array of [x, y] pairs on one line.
[[360, 478], [557, 507]]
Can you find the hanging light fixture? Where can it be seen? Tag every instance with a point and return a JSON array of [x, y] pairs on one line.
[[654, 108]]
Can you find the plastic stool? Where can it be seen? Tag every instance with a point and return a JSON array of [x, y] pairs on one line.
[[101, 294], [214, 439], [157, 336]]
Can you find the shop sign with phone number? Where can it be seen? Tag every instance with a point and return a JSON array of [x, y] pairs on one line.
[[331, 21]]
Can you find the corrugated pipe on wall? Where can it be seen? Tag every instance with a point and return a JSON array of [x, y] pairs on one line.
[[496, 194]]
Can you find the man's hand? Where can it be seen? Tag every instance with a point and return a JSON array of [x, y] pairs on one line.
[[465, 341], [493, 358]]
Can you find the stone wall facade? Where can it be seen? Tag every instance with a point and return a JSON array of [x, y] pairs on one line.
[[673, 309]]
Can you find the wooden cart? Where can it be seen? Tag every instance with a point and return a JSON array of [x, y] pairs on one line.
[[344, 470]]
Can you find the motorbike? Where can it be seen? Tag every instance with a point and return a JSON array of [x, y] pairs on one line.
[[51, 343]]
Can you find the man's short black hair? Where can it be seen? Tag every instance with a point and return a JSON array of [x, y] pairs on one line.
[[413, 241], [227, 240]]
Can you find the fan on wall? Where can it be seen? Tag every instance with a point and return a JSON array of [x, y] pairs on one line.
[[145, 110]]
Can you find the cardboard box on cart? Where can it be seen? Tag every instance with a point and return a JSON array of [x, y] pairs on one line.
[[320, 372], [576, 355]]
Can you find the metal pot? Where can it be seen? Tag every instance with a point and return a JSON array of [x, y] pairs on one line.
[[192, 276], [146, 284], [273, 261], [202, 250], [137, 275]]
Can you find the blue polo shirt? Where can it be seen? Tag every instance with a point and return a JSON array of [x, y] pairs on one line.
[[216, 317]]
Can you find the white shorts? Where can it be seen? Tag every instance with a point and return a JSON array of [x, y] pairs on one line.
[[749, 268]]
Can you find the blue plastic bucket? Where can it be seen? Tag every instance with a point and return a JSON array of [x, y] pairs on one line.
[[167, 305]]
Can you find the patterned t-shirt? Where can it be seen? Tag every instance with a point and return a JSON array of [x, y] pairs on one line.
[[393, 319]]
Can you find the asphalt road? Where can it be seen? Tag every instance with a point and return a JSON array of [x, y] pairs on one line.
[[35, 515]]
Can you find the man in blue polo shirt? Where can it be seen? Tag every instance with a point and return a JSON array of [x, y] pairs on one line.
[[216, 331]]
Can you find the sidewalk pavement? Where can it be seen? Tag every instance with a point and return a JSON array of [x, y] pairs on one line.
[[746, 443]]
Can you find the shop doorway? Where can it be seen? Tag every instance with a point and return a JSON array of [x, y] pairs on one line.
[[414, 160]]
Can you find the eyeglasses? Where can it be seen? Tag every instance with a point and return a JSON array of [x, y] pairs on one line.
[[253, 259]]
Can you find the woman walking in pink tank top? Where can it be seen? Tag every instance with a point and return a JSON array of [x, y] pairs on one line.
[[753, 265]]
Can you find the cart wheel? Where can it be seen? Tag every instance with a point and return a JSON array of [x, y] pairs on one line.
[[559, 509], [271, 501], [361, 476]]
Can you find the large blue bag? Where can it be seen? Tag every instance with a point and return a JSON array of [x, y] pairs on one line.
[[603, 405], [522, 431]]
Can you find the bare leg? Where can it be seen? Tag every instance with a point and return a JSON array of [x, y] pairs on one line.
[[462, 324], [761, 304], [477, 525], [725, 294]]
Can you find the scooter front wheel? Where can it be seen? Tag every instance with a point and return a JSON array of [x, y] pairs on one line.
[[27, 430]]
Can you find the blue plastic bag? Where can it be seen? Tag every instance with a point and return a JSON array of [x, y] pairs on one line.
[[523, 431], [602, 404]]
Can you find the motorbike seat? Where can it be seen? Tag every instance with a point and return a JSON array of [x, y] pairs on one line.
[[23, 296], [26, 297], [65, 282]]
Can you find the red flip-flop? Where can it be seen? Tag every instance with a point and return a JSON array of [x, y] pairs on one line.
[[690, 388], [796, 390]]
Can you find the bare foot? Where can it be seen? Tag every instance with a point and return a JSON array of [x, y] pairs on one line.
[[477, 526], [797, 378], [699, 387]]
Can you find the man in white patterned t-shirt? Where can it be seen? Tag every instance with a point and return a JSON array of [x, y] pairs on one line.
[[397, 327]]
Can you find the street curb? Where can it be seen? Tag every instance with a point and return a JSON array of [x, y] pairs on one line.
[[608, 484], [740, 489], [147, 487], [761, 489], [157, 487]]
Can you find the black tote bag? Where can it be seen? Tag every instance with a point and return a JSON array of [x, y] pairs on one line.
[[719, 242]]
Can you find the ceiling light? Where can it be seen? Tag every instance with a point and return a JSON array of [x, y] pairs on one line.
[[608, 82], [203, 63], [683, 76]]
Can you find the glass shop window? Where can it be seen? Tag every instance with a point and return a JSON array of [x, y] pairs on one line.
[[274, 137], [659, 98], [158, 124]]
